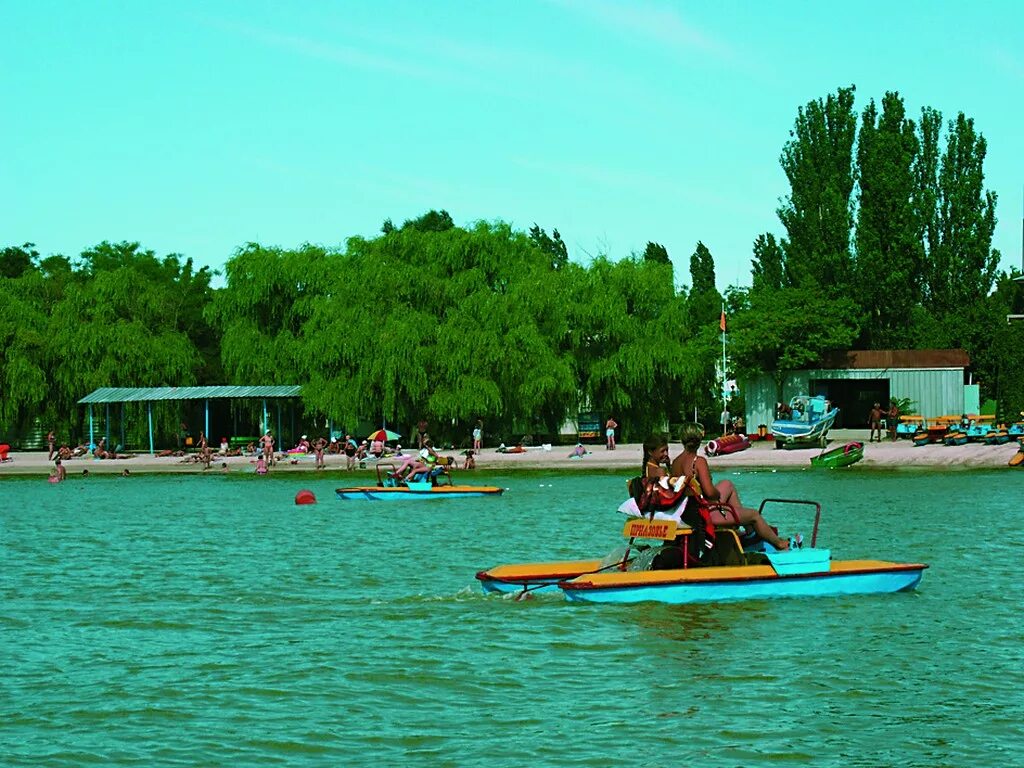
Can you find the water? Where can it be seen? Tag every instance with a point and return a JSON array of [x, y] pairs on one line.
[[210, 621]]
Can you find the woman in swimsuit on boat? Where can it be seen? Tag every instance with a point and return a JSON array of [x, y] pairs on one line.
[[689, 464]]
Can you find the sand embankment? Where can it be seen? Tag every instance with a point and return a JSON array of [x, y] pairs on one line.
[[886, 455]]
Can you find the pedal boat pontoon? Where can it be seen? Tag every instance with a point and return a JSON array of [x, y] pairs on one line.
[[436, 485], [798, 572]]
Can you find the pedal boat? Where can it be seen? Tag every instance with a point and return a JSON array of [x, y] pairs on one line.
[[436, 485], [768, 573], [910, 426]]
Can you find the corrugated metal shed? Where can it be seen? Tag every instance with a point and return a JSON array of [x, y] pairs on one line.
[[153, 394], [933, 379]]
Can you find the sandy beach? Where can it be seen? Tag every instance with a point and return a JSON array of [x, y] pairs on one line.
[[887, 455]]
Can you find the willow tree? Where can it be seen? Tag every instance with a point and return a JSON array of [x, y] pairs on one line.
[[261, 312], [119, 324], [630, 343], [447, 326], [23, 333]]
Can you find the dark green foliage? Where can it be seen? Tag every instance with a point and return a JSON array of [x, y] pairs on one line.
[[890, 251], [554, 246], [704, 304], [443, 326], [790, 329], [15, 260], [632, 343], [769, 265], [431, 221], [657, 253], [818, 214], [961, 263]]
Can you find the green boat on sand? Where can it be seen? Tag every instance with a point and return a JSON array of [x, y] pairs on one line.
[[843, 456]]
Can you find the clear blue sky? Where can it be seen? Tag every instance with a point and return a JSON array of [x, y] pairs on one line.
[[194, 127]]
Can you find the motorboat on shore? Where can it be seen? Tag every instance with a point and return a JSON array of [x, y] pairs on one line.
[[808, 424], [841, 456], [740, 569], [435, 484]]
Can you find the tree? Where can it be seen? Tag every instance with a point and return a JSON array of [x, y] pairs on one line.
[[657, 253], [431, 221], [631, 343], [262, 311], [15, 260], [24, 330], [789, 329], [817, 214], [474, 328], [961, 264], [554, 246], [704, 303], [124, 320], [769, 264], [890, 250]]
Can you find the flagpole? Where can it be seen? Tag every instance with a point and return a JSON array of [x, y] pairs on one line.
[[725, 374]]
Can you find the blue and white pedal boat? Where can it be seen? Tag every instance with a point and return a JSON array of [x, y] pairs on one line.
[[757, 571]]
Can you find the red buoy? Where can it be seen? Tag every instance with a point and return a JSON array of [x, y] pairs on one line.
[[305, 497]]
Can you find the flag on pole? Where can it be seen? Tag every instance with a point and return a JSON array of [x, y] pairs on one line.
[[722, 323]]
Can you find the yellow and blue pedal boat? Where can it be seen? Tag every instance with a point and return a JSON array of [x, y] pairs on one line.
[[756, 571], [437, 484]]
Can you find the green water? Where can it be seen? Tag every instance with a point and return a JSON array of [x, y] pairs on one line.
[[210, 621]]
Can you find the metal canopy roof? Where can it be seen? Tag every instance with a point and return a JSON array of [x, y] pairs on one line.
[[149, 394]]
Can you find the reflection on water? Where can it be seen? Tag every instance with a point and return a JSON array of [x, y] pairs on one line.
[[207, 620]]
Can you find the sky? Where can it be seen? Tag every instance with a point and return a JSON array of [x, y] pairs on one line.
[[196, 127]]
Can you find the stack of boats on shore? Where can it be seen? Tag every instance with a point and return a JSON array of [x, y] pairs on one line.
[[958, 430]]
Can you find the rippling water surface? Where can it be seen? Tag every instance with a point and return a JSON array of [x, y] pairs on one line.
[[208, 620]]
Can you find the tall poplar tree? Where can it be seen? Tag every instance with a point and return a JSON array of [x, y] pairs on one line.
[[889, 244], [961, 263], [769, 264], [817, 213], [704, 302]]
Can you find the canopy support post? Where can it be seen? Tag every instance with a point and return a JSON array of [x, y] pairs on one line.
[[122, 426], [266, 423], [92, 442], [149, 409], [106, 425], [206, 422]]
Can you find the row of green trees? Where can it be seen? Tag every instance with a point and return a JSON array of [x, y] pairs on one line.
[[887, 243]]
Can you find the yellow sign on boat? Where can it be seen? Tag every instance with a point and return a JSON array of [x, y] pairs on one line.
[[641, 528]]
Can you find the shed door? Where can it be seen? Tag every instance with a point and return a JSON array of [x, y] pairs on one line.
[[853, 398]]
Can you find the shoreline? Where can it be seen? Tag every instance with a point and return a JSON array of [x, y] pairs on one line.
[[761, 455]]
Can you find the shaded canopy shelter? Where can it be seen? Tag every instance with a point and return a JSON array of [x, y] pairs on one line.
[[148, 395]]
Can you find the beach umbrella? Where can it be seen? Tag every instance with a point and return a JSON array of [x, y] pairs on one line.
[[383, 435]]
